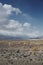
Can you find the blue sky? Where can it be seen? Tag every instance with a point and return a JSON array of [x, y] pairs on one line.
[[23, 17]]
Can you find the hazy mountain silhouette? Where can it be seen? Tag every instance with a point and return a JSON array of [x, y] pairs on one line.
[[3, 37]]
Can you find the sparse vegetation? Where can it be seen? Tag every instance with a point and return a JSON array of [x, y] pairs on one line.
[[21, 52]]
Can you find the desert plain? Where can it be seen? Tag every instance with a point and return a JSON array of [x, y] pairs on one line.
[[21, 52]]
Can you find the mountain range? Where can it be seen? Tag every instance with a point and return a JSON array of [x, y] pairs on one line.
[[3, 37]]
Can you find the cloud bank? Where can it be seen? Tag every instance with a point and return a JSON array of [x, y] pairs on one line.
[[12, 27]]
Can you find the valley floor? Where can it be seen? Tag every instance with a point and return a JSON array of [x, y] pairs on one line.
[[21, 52]]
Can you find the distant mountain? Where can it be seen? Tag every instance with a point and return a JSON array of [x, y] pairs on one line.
[[39, 37], [3, 37]]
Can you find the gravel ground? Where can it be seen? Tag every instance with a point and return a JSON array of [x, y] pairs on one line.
[[21, 53]]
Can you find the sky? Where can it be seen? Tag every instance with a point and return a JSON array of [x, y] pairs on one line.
[[21, 18]]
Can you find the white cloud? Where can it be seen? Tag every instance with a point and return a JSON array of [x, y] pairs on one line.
[[9, 9], [27, 24], [6, 10], [13, 24], [14, 27]]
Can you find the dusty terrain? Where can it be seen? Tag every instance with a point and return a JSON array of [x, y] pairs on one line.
[[21, 52]]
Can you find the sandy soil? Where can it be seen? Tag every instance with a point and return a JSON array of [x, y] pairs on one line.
[[21, 52]]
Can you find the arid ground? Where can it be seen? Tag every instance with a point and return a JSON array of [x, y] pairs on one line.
[[28, 52]]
